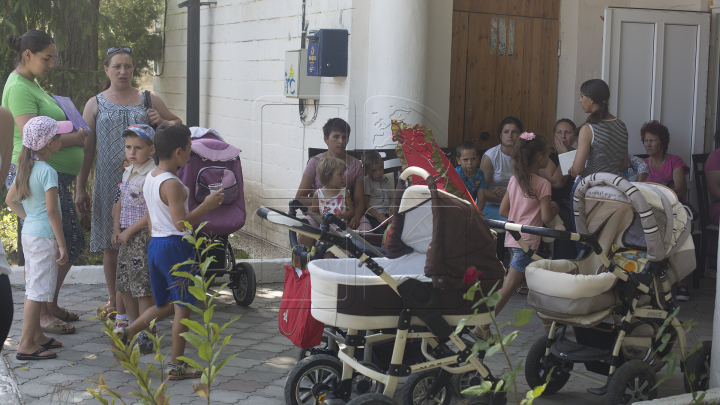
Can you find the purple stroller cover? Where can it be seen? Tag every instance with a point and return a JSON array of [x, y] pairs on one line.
[[208, 151]]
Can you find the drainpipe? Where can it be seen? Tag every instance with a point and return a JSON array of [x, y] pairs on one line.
[[192, 92]]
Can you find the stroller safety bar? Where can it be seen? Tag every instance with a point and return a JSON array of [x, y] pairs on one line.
[[516, 229]]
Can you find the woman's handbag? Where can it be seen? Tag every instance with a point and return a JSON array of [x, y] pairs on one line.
[[295, 320]]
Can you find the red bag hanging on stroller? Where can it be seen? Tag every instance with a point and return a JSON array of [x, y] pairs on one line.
[[294, 320]]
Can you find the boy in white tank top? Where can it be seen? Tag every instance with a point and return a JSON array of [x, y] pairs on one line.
[[167, 205]]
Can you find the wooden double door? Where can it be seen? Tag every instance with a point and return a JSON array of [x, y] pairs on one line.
[[504, 62]]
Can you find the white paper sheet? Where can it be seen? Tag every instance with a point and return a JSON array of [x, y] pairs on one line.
[[566, 161]]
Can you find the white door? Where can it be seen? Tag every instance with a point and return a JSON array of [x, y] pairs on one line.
[[656, 64]]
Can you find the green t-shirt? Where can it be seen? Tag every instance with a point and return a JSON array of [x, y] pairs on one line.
[[21, 96]]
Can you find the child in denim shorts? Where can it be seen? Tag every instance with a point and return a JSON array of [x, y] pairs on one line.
[[130, 230]]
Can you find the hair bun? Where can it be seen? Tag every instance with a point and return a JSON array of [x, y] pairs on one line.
[[13, 42]]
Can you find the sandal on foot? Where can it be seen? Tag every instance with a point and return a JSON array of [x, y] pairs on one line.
[[184, 372], [59, 328], [52, 344], [36, 355], [67, 316], [522, 290]]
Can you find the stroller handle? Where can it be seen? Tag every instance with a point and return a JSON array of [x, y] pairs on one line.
[[414, 170], [589, 239], [297, 249]]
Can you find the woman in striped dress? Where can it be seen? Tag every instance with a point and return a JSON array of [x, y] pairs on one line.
[[603, 139]]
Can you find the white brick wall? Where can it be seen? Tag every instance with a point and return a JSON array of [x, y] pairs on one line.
[[243, 46]]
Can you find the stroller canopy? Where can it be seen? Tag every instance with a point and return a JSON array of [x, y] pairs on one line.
[[645, 216], [450, 231]]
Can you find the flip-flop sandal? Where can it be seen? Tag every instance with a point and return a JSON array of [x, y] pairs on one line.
[[58, 328], [522, 290], [68, 316], [51, 344], [36, 355]]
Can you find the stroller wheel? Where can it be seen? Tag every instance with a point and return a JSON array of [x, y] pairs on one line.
[[372, 399], [308, 373], [632, 382], [699, 364], [417, 389], [363, 384], [536, 373], [466, 380], [243, 284]]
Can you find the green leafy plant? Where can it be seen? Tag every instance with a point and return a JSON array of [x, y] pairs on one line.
[[204, 335], [678, 356], [498, 343]]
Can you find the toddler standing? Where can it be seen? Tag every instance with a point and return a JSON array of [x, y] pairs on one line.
[[130, 230], [33, 197], [378, 193], [527, 202]]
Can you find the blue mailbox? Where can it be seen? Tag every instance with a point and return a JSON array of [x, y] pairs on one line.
[[327, 53]]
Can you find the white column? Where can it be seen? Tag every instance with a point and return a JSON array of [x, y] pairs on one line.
[[396, 75], [715, 357]]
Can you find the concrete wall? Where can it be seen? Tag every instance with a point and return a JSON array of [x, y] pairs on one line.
[[243, 46], [581, 36]]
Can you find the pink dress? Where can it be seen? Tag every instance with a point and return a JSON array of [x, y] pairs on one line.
[[335, 205], [526, 211]]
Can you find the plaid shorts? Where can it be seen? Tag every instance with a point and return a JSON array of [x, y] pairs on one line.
[[133, 273]]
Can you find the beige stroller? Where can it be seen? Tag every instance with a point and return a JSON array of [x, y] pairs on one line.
[[615, 306], [414, 293]]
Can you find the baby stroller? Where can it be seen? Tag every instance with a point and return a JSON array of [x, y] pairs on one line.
[[392, 298], [616, 306], [214, 161]]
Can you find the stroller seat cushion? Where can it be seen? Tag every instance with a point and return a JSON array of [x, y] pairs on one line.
[[559, 278], [345, 295]]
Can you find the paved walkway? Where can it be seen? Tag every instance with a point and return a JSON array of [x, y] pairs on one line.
[[257, 375]]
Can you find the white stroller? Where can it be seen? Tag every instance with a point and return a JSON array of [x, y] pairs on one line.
[[414, 293], [615, 306]]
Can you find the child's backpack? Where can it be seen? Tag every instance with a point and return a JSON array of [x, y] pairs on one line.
[[214, 161]]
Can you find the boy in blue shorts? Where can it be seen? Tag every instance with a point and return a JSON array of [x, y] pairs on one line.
[[167, 205]]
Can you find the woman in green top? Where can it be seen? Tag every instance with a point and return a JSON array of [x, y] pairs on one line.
[[25, 99]]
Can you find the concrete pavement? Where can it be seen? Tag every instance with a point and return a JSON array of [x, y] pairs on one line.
[[257, 375]]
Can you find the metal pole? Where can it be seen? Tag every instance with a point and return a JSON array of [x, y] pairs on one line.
[[192, 118]]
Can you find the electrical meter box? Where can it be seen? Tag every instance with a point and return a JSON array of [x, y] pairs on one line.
[[327, 53], [297, 83]]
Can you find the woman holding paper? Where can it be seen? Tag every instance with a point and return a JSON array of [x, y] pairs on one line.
[[564, 133], [25, 99], [603, 139], [108, 114]]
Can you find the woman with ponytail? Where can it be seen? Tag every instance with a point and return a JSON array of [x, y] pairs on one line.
[[603, 139], [25, 99], [108, 114]]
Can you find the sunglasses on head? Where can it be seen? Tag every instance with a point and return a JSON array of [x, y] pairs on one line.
[[119, 48]]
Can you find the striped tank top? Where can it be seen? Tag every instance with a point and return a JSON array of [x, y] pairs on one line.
[[607, 150]]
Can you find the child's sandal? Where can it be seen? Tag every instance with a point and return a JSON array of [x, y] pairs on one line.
[[184, 372]]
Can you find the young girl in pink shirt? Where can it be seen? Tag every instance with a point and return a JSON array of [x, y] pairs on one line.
[[527, 202]]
